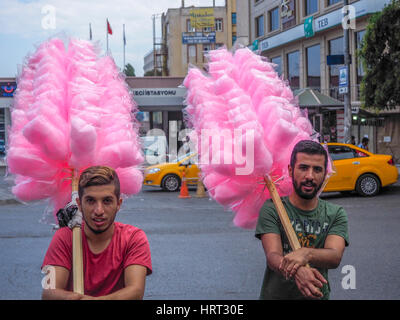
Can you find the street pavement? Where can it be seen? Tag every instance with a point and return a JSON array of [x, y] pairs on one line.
[[197, 252]]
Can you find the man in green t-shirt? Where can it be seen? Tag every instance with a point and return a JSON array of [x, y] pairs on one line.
[[320, 226]]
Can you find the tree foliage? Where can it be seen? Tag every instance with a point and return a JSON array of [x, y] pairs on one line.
[[129, 70], [151, 73], [380, 55]]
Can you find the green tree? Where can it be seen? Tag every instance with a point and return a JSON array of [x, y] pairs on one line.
[[129, 70], [151, 73], [380, 55]]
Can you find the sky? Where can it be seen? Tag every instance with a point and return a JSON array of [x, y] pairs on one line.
[[27, 23]]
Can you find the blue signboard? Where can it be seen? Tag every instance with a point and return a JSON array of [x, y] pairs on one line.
[[7, 89], [198, 37]]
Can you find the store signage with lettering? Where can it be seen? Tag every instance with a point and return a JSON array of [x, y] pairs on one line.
[[159, 96], [312, 26]]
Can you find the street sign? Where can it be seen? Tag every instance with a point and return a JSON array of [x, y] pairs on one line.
[[335, 59], [343, 80]]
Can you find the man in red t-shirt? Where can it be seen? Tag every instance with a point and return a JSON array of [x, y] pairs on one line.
[[116, 256]]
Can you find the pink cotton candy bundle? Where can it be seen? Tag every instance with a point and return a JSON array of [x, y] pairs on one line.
[[242, 100], [72, 109]]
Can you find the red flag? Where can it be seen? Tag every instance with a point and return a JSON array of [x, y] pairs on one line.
[[109, 30]]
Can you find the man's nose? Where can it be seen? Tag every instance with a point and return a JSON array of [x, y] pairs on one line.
[[310, 174], [99, 209]]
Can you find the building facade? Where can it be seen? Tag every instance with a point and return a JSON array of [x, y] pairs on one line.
[[148, 62], [185, 45], [298, 36]]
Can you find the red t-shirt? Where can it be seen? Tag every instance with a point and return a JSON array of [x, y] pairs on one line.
[[103, 272]]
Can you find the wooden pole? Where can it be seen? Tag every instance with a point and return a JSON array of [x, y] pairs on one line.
[[77, 252], [287, 226]]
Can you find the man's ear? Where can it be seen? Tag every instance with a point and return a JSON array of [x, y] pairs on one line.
[[290, 170], [119, 203]]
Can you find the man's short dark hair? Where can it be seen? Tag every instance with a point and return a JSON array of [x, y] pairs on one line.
[[308, 147], [365, 140], [98, 176]]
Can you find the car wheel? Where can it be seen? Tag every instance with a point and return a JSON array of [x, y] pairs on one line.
[[368, 185], [171, 183]]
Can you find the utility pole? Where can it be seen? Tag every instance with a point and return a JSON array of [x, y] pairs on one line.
[[347, 61]]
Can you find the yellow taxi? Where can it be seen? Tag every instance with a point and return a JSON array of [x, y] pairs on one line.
[[360, 170], [355, 169], [169, 175]]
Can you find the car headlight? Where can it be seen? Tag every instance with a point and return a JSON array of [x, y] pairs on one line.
[[153, 170]]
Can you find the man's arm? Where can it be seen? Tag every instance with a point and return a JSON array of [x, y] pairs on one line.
[[135, 279], [308, 280], [58, 292], [327, 257]]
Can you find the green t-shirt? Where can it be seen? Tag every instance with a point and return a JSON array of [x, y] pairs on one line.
[[312, 228]]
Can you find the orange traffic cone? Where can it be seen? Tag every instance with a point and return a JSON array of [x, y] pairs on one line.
[[184, 189]]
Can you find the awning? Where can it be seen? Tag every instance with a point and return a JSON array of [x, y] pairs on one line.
[[312, 98]]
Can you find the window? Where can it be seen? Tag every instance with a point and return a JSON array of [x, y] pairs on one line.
[[360, 70], [234, 37], [293, 73], [331, 2], [189, 26], [219, 25], [233, 18], [311, 6], [157, 119], [336, 46], [206, 48], [342, 152], [274, 19], [314, 66], [260, 26], [192, 53], [278, 62]]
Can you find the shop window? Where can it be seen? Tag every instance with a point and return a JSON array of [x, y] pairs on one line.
[[157, 120], [293, 61], [314, 66], [336, 46], [233, 18], [278, 62]]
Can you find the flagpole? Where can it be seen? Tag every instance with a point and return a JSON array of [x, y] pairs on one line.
[[123, 66], [107, 35], [90, 31]]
